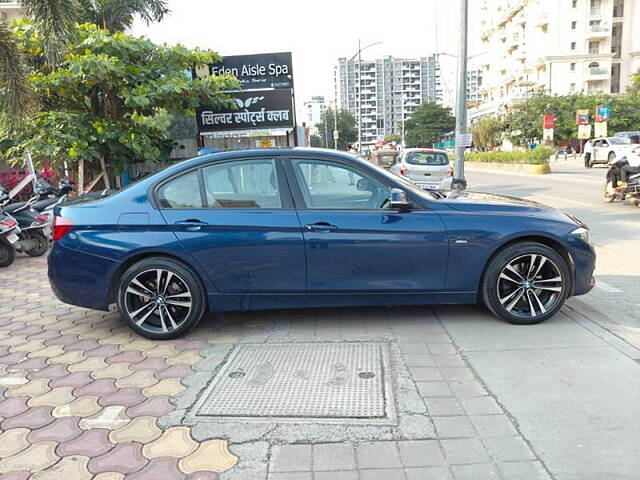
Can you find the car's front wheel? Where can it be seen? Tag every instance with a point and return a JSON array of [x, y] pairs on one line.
[[526, 283], [161, 298]]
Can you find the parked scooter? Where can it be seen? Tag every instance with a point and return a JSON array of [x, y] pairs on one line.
[[630, 192], [8, 239], [34, 229]]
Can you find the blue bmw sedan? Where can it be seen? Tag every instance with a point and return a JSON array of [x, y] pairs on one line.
[[293, 228]]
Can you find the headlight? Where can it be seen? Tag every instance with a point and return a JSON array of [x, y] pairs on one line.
[[583, 234]]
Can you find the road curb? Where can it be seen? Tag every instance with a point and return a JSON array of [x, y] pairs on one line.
[[529, 169]]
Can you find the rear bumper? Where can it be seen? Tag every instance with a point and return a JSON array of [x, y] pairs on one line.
[[79, 278]]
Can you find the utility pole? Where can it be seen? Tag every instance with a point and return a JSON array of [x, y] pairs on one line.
[[459, 182], [359, 98], [326, 133], [335, 126]]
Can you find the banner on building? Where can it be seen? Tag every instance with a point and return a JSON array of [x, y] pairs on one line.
[[255, 110], [601, 129], [262, 70], [603, 113], [549, 122], [582, 117], [584, 132]]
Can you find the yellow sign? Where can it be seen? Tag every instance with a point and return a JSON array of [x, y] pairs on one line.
[[601, 129], [266, 143], [584, 132]]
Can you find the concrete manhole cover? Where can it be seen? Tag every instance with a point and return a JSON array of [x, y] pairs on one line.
[[316, 382]]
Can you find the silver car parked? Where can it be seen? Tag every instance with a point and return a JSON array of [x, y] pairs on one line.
[[426, 167]]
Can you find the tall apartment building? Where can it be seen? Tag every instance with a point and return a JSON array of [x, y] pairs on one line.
[[313, 110], [474, 83], [392, 89], [557, 47], [10, 10]]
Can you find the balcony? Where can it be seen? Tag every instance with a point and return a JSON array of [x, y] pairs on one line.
[[601, 30], [598, 72]]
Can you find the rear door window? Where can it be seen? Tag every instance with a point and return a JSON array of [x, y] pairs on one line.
[[181, 192]]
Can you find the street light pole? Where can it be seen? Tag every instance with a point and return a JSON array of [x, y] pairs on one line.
[[359, 98], [459, 181]]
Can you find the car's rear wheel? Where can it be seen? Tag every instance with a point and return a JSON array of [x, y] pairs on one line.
[[41, 242], [161, 298], [526, 283]]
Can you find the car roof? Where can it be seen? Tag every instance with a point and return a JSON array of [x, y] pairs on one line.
[[434, 150]]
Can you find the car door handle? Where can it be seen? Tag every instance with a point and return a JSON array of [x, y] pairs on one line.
[[192, 225], [320, 227]]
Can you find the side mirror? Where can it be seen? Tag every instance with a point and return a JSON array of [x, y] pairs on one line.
[[399, 200]]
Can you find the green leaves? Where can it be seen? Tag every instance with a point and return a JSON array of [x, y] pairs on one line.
[[427, 124], [347, 130]]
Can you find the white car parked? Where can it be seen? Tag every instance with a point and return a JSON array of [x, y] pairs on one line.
[[426, 167], [606, 149]]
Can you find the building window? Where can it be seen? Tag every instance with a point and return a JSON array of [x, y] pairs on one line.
[[573, 46], [574, 24], [595, 7], [594, 48], [618, 8], [572, 87], [573, 66], [574, 3], [615, 78]]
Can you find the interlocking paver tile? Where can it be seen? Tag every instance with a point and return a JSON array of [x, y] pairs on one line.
[[92, 443], [154, 406], [16, 476], [45, 335], [65, 339], [54, 398], [175, 371], [80, 407], [90, 364], [60, 430], [109, 476], [127, 397], [111, 417], [211, 455], [165, 468], [124, 458], [174, 442], [69, 468], [49, 352], [141, 379], [13, 441], [99, 388], [187, 357], [163, 350], [34, 458], [13, 406], [104, 351], [13, 380], [140, 429], [15, 357], [154, 364], [132, 356], [28, 346], [74, 379], [30, 389], [31, 365], [115, 371], [168, 386], [83, 345], [51, 372], [32, 418], [68, 358]]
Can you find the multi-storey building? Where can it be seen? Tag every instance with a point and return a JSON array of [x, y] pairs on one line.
[[10, 10], [390, 89], [557, 47], [474, 83], [313, 110]]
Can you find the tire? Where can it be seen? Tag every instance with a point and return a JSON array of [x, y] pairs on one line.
[[42, 244], [7, 254], [499, 293], [148, 310]]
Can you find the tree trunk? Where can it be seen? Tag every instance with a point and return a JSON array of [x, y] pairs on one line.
[[81, 176], [105, 175]]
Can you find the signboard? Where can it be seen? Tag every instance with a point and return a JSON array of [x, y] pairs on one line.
[[582, 117], [265, 143], [547, 135], [262, 70], [256, 110], [549, 122], [464, 140], [584, 132], [336, 135], [601, 129], [603, 113]]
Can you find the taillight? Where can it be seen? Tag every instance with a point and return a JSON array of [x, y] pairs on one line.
[[61, 226], [9, 222], [450, 173], [404, 171], [42, 218]]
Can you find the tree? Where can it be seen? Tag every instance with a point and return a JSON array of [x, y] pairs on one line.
[[427, 124], [113, 98], [392, 137], [487, 132], [347, 131], [54, 23]]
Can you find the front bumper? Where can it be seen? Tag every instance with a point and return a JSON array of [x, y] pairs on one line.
[[80, 278], [584, 264]]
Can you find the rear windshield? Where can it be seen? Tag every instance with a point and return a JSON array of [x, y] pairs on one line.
[[427, 158], [619, 141]]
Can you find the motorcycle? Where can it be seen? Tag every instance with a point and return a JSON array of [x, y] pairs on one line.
[[8, 238], [630, 192], [33, 238]]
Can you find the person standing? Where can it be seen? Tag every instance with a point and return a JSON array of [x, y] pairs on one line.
[[588, 152], [633, 161]]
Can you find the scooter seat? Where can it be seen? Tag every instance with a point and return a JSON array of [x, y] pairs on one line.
[[15, 207], [42, 204]]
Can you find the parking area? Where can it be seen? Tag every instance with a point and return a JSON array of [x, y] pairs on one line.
[[406, 393]]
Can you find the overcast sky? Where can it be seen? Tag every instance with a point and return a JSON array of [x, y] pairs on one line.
[[316, 32]]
